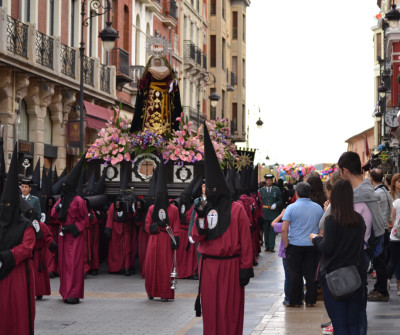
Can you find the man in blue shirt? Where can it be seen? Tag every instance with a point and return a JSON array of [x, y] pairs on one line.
[[299, 221]]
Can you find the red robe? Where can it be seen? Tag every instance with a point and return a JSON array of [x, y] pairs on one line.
[[119, 248], [88, 245], [42, 281], [143, 241], [14, 302], [54, 227], [134, 244], [222, 296], [159, 257], [186, 258], [94, 242], [246, 202], [71, 250]]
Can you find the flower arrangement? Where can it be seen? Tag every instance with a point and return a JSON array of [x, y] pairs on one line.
[[145, 141], [184, 145], [221, 138], [113, 144]]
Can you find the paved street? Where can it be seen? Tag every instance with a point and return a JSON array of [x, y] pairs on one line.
[[116, 304]]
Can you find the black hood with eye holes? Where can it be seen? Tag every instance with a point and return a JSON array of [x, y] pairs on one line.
[[162, 199]]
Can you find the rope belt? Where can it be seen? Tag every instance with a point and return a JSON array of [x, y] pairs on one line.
[[267, 207]]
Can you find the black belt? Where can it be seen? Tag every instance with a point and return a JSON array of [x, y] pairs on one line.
[[184, 228], [220, 257]]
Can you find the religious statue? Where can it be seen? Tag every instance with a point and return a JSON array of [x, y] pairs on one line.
[[158, 101]]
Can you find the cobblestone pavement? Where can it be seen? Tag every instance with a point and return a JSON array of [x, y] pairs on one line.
[[116, 304]]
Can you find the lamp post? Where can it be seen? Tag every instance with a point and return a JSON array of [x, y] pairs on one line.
[[393, 16], [108, 36], [208, 79]]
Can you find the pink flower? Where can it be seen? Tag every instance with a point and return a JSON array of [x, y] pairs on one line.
[[127, 156], [199, 157], [114, 152]]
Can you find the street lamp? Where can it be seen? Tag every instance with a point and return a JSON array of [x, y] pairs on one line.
[[393, 16], [108, 36], [208, 79], [259, 122]]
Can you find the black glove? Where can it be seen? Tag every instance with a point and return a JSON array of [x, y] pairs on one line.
[[175, 246], [245, 275], [70, 229], [98, 215], [162, 223], [188, 245], [201, 209], [53, 247], [8, 260], [58, 207], [253, 210], [153, 228], [107, 233], [91, 216]]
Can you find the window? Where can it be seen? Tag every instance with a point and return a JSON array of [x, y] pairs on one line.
[[74, 23], [48, 128], [213, 7], [212, 109], [51, 17], [223, 104], [223, 53], [23, 122], [244, 73], [379, 45], [234, 67], [223, 8], [91, 32], [126, 28], [234, 117], [243, 118], [234, 25], [244, 28], [137, 42], [213, 51]]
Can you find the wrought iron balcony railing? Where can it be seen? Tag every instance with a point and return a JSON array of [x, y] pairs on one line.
[[17, 37], [44, 49], [204, 61], [88, 70], [105, 78], [233, 79], [198, 56], [189, 51], [136, 74], [120, 58], [68, 61], [173, 9]]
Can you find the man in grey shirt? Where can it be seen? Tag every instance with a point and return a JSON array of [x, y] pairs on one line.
[[385, 204]]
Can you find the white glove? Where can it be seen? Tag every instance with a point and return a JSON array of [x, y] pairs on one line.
[[133, 208], [43, 217], [273, 206], [36, 225], [120, 214], [201, 223], [191, 239], [1, 264], [171, 86]]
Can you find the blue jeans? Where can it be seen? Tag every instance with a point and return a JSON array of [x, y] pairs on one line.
[[345, 314], [286, 285]]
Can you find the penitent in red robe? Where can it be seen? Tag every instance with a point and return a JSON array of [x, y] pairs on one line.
[[222, 296], [186, 253], [95, 241], [14, 302], [54, 227], [71, 250], [88, 245], [143, 240], [119, 248], [42, 281], [159, 257]]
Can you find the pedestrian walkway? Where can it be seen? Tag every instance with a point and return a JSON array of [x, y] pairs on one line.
[[116, 304]]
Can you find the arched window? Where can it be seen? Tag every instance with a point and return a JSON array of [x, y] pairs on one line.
[[137, 38], [23, 122], [48, 128], [126, 28]]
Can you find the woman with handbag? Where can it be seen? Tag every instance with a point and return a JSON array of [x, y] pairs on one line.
[[341, 248]]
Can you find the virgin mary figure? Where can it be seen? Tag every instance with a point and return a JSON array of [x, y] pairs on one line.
[[158, 102]]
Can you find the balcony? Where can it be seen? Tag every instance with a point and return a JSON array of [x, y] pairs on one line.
[[204, 61], [171, 14], [17, 37], [152, 5], [136, 74], [46, 58], [120, 58], [189, 54], [194, 116], [44, 50], [68, 61], [198, 55]]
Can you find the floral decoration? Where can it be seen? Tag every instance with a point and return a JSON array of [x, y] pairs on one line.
[[113, 144], [145, 141]]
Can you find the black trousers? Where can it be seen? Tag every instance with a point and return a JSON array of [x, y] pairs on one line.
[[301, 262]]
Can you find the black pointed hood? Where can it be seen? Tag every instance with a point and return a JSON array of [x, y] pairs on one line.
[[81, 182], [161, 201], [125, 169], [68, 188], [197, 191], [36, 180], [54, 176], [230, 181], [90, 188], [186, 200], [46, 189], [12, 224], [100, 184], [151, 194], [56, 187], [254, 180], [218, 194]]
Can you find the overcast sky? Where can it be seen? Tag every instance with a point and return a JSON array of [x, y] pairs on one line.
[[310, 70]]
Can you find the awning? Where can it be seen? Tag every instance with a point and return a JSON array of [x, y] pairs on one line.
[[97, 116]]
